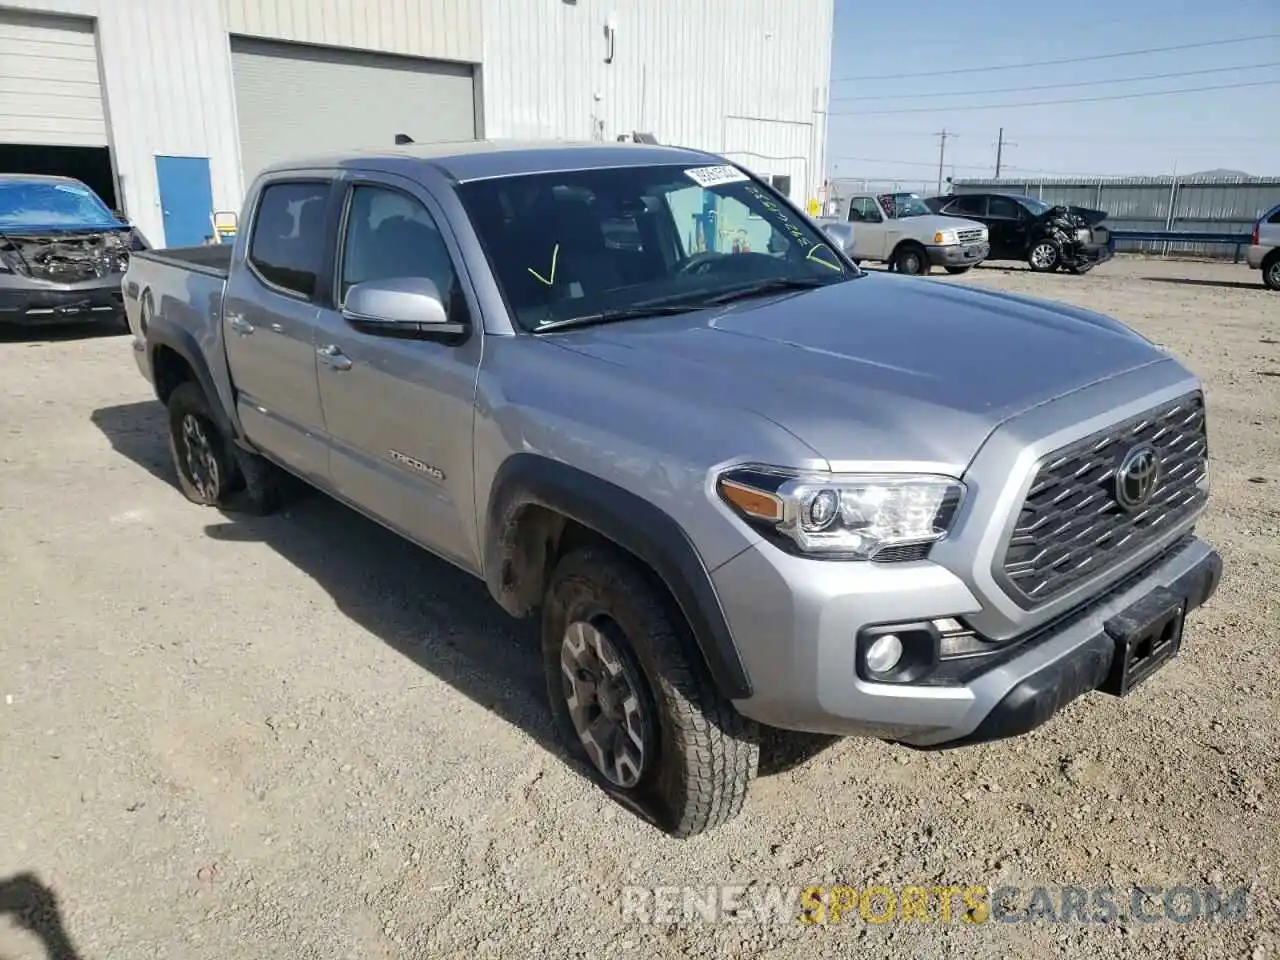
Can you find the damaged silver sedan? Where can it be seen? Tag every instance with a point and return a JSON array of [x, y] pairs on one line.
[[63, 253]]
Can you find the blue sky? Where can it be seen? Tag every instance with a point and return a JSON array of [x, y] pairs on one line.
[[1234, 128]]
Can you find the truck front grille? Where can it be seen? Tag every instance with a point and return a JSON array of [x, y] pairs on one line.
[[1073, 524], [969, 236]]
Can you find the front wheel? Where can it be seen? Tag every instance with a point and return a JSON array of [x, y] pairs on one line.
[[633, 700], [1043, 257], [911, 259], [956, 271]]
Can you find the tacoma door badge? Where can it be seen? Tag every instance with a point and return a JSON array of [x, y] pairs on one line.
[[416, 465]]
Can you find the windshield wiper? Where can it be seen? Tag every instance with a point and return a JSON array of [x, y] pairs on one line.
[[763, 287], [612, 316]]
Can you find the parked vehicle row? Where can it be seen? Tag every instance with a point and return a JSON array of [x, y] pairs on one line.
[[738, 486], [900, 230]]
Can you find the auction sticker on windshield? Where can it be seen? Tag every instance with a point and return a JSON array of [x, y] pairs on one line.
[[714, 176]]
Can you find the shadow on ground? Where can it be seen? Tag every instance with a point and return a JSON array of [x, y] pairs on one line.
[[430, 611], [33, 907], [1227, 284]]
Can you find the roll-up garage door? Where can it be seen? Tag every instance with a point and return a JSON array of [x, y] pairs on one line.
[[50, 94], [296, 101]]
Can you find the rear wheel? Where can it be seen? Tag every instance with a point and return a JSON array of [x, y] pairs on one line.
[[212, 471], [199, 450], [632, 699], [911, 258], [1043, 256], [1271, 271]]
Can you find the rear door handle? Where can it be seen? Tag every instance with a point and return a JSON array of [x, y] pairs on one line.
[[240, 325], [334, 358]]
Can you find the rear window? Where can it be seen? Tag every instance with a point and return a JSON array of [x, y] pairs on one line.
[[1275, 216], [287, 245]]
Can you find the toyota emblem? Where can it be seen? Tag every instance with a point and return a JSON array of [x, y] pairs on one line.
[[1137, 477]]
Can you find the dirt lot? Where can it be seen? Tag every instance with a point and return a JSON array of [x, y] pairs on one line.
[[298, 737]]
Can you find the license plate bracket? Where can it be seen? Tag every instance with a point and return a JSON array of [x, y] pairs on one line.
[[1146, 635]]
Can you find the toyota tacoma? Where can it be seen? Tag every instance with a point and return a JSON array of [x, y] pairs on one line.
[[740, 483]]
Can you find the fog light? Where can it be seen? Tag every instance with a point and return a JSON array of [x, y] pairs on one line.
[[884, 653]]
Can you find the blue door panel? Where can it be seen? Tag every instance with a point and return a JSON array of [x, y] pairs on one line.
[[186, 199]]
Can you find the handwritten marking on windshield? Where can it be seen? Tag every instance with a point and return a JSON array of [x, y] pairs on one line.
[[549, 281], [826, 263]]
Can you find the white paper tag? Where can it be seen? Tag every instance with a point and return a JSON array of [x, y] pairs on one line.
[[714, 176]]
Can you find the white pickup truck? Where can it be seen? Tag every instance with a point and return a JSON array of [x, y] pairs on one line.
[[900, 230]]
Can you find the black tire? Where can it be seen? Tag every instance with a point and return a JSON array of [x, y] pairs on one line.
[[205, 467], [698, 754], [956, 271], [1044, 256], [911, 259], [1271, 272], [1080, 269], [244, 481]]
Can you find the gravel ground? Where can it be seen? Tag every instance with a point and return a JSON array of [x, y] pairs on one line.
[[299, 737]]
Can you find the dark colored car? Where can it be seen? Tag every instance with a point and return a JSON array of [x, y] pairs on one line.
[[63, 253], [1016, 227]]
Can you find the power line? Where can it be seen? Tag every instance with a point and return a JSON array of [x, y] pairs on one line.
[[1052, 103], [1085, 138], [1065, 60], [956, 166], [1056, 86]]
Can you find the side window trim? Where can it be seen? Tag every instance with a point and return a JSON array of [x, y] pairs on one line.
[[319, 180]]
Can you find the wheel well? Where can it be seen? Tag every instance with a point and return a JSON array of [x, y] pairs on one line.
[[902, 244], [1271, 258], [537, 538], [170, 370]]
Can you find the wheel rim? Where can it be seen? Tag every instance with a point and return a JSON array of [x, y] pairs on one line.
[[602, 692], [1274, 273], [199, 457], [1044, 255], [910, 263]]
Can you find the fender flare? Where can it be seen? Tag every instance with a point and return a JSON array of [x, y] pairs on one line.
[[162, 333], [635, 525]]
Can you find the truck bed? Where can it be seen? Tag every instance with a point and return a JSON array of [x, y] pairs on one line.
[[212, 259]]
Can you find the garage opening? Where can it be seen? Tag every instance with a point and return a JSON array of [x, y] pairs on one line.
[[295, 100], [90, 165], [52, 118]]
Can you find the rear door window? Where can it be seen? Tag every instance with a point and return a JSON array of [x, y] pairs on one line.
[[287, 247], [970, 206]]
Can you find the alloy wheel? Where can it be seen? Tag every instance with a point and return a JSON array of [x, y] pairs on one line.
[[1044, 255], [602, 690], [199, 457]]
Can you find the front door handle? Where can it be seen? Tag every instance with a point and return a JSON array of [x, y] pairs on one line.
[[334, 358], [240, 325]]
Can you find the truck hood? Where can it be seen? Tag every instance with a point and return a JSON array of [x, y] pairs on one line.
[[918, 226], [879, 368]]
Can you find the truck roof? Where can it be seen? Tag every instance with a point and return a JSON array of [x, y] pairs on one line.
[[482, 159]]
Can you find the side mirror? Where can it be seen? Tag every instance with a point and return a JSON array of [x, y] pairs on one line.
[[408, 307], [841, 234]]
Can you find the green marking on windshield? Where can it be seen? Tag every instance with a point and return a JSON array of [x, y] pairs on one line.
[[549, 281], [822, 260]]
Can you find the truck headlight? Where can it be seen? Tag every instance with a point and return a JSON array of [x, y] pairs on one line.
[[842, 516], [944, 237]]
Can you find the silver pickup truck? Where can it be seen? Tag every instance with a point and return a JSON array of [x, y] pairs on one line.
[[740, 481]]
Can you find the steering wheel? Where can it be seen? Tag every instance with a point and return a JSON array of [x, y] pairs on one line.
[[700, 263]]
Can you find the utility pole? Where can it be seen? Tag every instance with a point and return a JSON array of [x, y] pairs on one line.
[[1001, 143], [942, 153]]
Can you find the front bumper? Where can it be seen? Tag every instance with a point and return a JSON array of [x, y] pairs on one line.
[[796, 620], [958, 254], [30, 302]]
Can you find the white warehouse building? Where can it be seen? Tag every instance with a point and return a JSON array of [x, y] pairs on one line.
[[169, 107]]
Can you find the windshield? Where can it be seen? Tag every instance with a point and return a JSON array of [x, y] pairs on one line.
[[1037, 207], [899, 206], [34, 203], [586, 242]]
